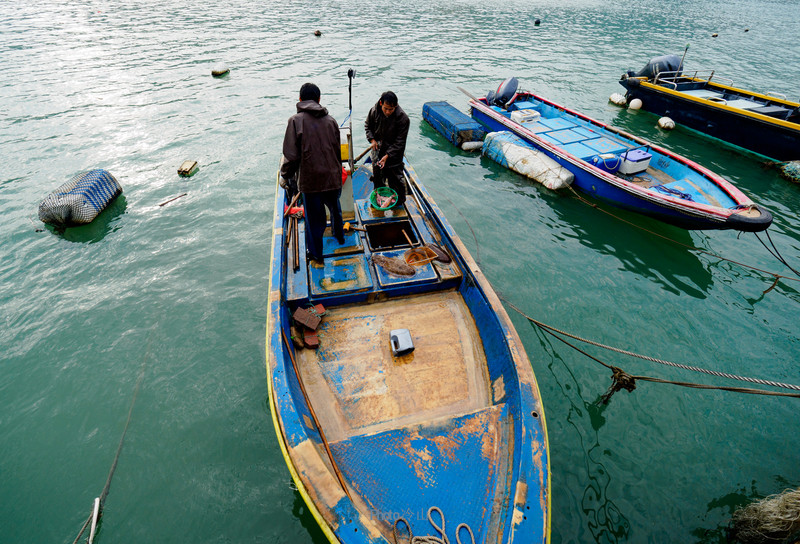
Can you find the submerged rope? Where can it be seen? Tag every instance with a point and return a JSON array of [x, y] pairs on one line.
[[107, 486], [697, 249], [622, 380]]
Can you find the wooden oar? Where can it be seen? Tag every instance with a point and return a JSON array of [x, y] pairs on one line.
[[362, 154], [314, 415], [466, 92]]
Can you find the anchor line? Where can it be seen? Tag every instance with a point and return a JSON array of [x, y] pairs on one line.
[[619, 374], [107, 485], [774, 251], [699, 250]]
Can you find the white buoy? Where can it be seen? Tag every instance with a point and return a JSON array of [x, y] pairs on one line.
[[618, 99], [220, 70], [666, 123], [472, 146], [635, 104]]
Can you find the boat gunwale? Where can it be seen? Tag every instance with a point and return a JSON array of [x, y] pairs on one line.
[[680, 205], [755, 116]]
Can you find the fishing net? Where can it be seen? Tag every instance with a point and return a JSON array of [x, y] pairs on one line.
[[773, 519], [80, 200]]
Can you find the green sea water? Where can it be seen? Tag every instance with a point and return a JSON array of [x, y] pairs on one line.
[[178, 291]]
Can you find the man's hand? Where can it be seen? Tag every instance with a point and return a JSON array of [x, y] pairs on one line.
[[374, 144], [382, 161]]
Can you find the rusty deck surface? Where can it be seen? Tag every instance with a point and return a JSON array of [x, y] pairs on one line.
[[358, 387]]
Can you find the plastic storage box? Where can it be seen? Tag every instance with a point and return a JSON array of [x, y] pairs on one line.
[[634, 161], [525, 116]]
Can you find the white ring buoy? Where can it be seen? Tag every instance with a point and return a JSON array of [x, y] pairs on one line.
[[635, 104]]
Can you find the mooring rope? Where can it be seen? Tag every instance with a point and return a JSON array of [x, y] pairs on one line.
[[774, 251], [699, 250], [431, 539], [107, 486], [623, 380]]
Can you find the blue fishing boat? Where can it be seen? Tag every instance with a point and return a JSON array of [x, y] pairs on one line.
[[768, 124], [418, 412], [620, 168]]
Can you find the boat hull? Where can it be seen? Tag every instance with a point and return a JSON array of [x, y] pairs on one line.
[[370, 436], [610, 188], [767, 136]]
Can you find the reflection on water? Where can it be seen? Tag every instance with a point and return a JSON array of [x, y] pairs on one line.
[[636, 241], [306, 519], [603, 519], [105, 223]]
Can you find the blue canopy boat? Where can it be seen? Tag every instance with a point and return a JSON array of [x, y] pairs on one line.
[[620, 168], [420, 402], [765, 123]]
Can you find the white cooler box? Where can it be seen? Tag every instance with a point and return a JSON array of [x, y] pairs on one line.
[[634, 161]]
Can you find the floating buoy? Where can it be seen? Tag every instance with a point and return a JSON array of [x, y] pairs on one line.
[[471, 146], [747, 30], [537, 22], [714, 35], [635, 104], [317, 33], [187, 169], [618, 99], [80, 200], [666, 123], [220, 71]]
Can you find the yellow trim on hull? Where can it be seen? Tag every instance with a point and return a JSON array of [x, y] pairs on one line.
[[326, 529], [758, 116]]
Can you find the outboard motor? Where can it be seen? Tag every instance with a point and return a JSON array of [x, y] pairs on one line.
[[504, 93], [665, 63]]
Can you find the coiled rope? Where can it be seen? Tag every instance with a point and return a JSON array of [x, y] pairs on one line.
[[622, 380], [97, 505], [775, 254], [430, 539]]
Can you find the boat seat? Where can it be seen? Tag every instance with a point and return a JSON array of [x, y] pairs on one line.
[[332, 248], [741, 103], [565, 136], [339, 275], [605, 145], [778, 112], [703, 93], [522, 105], [556, 123]]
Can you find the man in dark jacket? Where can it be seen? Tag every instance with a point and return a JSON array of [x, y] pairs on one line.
[[387, 129], [312, 152]]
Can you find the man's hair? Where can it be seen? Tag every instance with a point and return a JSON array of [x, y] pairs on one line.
[[389, 98], [309, 91]]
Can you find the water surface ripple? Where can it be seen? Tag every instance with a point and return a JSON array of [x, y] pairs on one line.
[[181, 288]]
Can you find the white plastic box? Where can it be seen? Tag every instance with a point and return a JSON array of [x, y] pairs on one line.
[[525, 116], [634, 161]]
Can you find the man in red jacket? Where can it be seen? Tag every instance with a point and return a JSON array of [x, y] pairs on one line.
[[312, 152]]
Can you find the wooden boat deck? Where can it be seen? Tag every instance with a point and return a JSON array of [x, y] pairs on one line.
[[358, 387]]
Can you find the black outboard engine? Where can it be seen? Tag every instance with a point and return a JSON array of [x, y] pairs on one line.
[[504, 93], [665, 63]]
